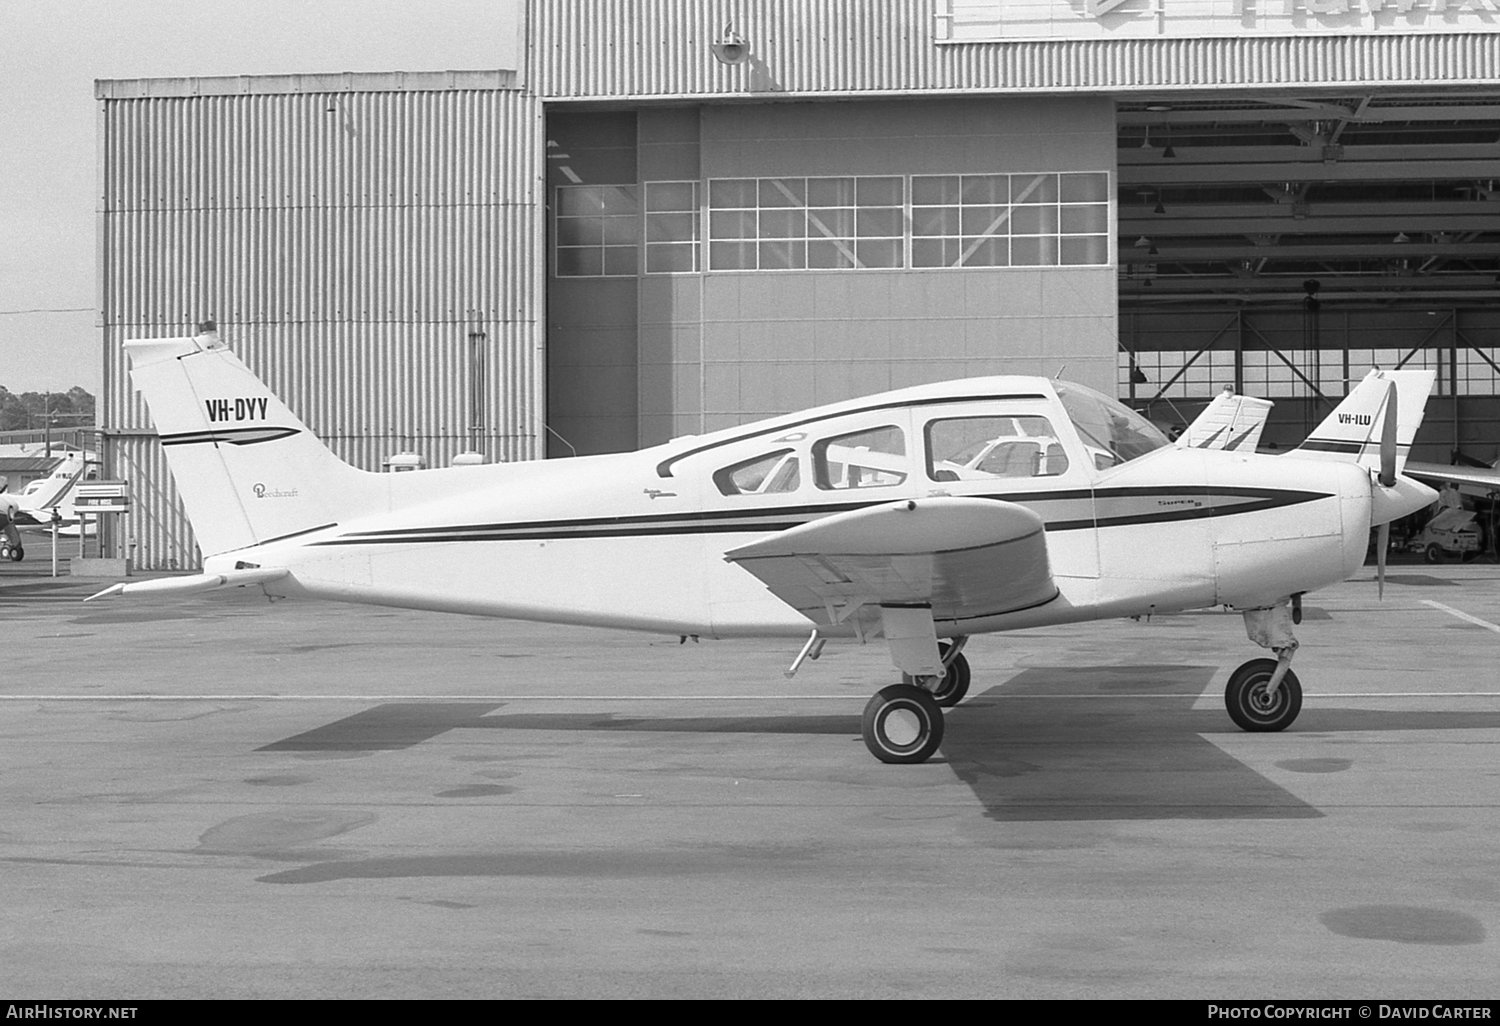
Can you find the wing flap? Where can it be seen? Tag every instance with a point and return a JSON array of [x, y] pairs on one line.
[[964, 557]]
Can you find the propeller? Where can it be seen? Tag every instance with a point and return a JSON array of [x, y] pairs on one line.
[[1387, 479], [1388, 438], [1382, 546]]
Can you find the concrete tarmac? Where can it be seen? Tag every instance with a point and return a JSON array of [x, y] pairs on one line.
[[221, 797]]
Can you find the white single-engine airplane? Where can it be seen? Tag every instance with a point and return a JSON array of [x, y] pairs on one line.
[[933, 512]]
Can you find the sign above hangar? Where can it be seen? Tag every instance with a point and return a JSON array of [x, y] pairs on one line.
[[990, 21]]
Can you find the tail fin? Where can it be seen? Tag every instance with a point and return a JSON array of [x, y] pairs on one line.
[[247, 469], [1231, 422], [1352, 431]]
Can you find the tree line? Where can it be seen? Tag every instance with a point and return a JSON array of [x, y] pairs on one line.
[[30, 411]]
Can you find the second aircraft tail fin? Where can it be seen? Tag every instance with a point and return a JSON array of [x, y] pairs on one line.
[[1352, 432]]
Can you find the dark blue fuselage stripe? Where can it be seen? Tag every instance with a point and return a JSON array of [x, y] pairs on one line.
[[736, 521]]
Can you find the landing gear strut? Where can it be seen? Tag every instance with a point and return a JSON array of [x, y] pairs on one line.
[[955, 683], [1264, 694]]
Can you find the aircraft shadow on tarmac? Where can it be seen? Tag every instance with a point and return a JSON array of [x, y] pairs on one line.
[[1132, 747]]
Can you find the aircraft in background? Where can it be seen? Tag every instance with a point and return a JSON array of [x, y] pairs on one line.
[[879, 517], [42, 501], [1232, 421]]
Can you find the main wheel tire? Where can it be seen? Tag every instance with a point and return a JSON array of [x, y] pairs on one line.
[[1251, 708], [17, 554], [955, 683], [902, 724], [1434, 553]]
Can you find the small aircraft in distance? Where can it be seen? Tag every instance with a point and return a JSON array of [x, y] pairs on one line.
[[880, 517], [42, 501]]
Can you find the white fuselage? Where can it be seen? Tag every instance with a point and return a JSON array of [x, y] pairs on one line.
[[637, 540]]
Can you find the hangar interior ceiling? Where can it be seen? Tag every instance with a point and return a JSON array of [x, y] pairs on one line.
[[1377, 197]]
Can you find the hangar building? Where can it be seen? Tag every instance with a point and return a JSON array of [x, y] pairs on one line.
[[676, 215]]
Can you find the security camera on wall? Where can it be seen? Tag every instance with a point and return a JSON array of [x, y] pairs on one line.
[[730, 48]]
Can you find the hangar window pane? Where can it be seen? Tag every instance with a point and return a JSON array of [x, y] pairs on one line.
[[862, 459], [1033, 189], [1084, 250], [597, 231], [985, 220], [668, 259], [934, 190], [783, 192], [731, 256], [786, 254], [986, 189], [1033, 251], [830, 253], [983, 252], [1085, 219], [1034, 221], [830, 192], [878, 252], [731, 192], [934, 221], [783, 224], [672, 227], [878, 192], [1085, 187], [731, 224], [661, 196]]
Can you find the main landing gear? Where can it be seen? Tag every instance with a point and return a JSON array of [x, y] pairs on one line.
[[1264, 694], [903, 723]]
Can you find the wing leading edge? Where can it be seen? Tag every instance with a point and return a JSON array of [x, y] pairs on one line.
[[964, 558]]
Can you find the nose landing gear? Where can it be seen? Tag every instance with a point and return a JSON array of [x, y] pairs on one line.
[[1264, 694]]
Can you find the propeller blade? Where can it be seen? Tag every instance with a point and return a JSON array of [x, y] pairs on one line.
[[1382, 546], [1388, 438]]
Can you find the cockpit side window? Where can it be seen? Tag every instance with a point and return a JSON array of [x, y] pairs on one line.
[[980, 448], [778, 471], [872, 458]]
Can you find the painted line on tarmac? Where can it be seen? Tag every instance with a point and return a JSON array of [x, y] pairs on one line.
[[1462, 615], [860, 697]]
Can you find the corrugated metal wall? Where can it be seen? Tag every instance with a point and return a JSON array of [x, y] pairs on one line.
[[372, 253], [660, 49]]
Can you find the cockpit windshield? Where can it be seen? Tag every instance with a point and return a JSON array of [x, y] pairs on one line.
[[1112, 431]]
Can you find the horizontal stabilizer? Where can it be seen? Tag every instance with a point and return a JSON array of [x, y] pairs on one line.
[[963, 557], [196, 583]]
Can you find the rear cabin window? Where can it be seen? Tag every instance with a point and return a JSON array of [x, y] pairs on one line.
[[779, 471], [873, 458], [980, 448]]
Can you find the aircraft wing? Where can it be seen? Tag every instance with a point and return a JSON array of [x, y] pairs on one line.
[[1231, 422], [964, 557], [1441, 473]]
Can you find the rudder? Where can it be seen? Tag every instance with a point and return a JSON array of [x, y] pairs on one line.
[[247, 469]]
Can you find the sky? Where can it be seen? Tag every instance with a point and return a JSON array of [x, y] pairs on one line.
[[50, 54]]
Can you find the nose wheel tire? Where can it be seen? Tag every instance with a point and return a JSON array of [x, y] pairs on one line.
[[955, 683], [902, 724], [14, 553], [1251, 707]]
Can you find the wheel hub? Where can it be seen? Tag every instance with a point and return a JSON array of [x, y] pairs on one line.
[[902, 727]]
